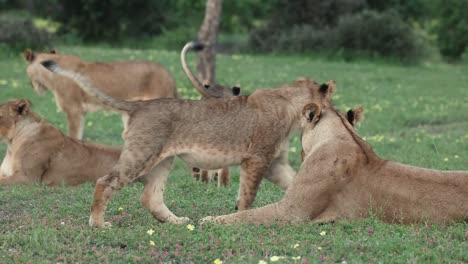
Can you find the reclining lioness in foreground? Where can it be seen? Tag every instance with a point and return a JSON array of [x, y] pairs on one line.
[[38, 152], [252, 131], [341, 178]]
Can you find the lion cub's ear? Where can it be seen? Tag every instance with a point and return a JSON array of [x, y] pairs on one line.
[[328, 87], [355, 116], [53, 51], [20, 107], [312, 112], [28, 55]]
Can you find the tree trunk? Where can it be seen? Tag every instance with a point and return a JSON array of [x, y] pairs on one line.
[[206, 62]]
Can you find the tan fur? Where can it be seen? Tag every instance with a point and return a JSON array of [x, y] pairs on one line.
[[208, 91], [38, 152], [142, 81], [252, 131], [341, 179]]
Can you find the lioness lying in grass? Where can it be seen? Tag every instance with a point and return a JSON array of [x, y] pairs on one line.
[[38, 152], [341, 178]]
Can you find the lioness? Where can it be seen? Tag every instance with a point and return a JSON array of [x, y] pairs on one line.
[[38, 152], [252, 131], [341, 178], [142, 80]]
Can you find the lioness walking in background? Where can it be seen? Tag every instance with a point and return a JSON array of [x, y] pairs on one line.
[[126, 80]]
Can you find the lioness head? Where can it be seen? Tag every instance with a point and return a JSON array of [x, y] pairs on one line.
[[312, 113], [34, 70], [10, 113], [221, 91]]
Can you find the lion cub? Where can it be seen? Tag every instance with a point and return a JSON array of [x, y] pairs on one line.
[[38, 152], [127, 80]]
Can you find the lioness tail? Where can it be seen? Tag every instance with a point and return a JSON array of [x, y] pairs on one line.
[[89, 87], [183, 58]]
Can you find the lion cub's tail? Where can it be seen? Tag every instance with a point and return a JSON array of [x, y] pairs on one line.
[[89, 87]]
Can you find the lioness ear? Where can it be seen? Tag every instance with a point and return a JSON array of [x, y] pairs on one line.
[[21, 107], [355, 116], [312, 112], [328, 87], [236, 90], [206, 85], [53, 51], [28, 55]]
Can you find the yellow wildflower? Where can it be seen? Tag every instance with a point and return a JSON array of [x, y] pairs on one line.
[[152, 243], [262, 262], [323, 233], [190, 227], [150, 232], [120, 209], [296, 246], [218, 261], [275, 258], [296, 258]]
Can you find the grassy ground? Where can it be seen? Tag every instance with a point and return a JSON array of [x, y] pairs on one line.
[[416, 115]]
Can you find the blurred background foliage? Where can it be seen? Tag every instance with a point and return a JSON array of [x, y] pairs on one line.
[[407, 30]]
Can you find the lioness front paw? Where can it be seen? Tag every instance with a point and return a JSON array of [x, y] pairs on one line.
[[179, 220], [208, 219], [98, 223]]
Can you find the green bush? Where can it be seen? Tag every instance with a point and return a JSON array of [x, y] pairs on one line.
[[298, 38], [318, 13], [382, 34], [452, 32], [20, 33], [113, 19]]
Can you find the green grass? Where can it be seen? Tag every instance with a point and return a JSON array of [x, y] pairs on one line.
[[417, 115]]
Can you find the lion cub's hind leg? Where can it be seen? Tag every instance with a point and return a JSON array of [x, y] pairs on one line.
[[135, 160]]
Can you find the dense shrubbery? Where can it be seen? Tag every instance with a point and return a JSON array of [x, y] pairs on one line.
[[299, 38], [113, 19], [382, 34], [369, 32], [20, 33], [452, 31]]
